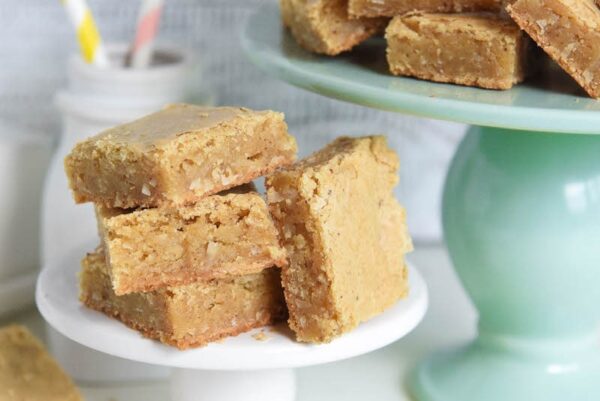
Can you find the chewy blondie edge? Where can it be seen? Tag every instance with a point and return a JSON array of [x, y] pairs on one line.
[[569, 32], [229, 233], [480, 50], [187, 316], [345, 235], [324, 26]]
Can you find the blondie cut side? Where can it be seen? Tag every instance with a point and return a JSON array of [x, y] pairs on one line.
[[392, 8], [28, 372], [191, 315], [345, 234], [178, 155], [475, 50], [221, 235], [323, 26], [569, 31]]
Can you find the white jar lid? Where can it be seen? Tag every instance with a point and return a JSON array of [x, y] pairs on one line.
[[167, 77]]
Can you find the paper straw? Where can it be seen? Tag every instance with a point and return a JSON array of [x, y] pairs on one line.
[[87, 34], [147, 27]]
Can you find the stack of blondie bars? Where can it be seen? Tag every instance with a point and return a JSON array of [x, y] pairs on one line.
[[190, 252], [483, 43]]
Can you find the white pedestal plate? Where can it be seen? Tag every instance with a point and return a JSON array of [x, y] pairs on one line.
[[239, 368]]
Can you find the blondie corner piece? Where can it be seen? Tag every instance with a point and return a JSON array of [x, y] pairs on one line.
[[345, 234], [178, 155], [28, 372], [481, 50], [569, 31], [323, 26], [191, 315], [392, 8], [225, 234]]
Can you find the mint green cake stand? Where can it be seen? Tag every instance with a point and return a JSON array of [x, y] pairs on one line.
[[521, 216]]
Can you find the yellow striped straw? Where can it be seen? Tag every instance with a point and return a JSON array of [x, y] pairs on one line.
[[87, 34]]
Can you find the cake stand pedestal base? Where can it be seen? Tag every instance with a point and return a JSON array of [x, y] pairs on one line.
[[259, 385], [235, 369], [522, 224], [496, 370]]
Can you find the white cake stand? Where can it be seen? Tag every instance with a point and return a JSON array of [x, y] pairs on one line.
[[238, 368]]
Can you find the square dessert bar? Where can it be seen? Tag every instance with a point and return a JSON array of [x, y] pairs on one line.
[[323, 26], [190, 315], [468, 49], [569, 31], [28, 372], [178, 155], [225, 234], [345, 234], [392, 8]]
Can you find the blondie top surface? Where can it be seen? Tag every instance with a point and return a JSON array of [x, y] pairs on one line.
[[481, 50], [392, 8], [230, 233], [323, 26], [28, 372], [569, 32], [190, 315], [178, 155], [345, 234]]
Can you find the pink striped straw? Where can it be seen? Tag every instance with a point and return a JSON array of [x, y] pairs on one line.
[[147, 27]]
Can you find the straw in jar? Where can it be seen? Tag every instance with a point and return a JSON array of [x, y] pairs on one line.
[[88, 36], [147, 26]]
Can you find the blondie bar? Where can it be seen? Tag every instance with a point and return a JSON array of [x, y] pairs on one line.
[[481, 50], [28, 372], [323, 26], [225, 234], [392, 8], [569, 31], [178, 155], [190, 315], [345, 234]]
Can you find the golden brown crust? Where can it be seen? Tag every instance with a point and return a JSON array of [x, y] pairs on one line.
[[226, 234], [190, 315], [323, 26], [28, 372], [178, 155], [345, 234], [187, 200], [185, 342], [480, 50], [569, 32]]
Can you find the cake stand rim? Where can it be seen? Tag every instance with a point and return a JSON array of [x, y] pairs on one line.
[[275, 64], [56, 299]]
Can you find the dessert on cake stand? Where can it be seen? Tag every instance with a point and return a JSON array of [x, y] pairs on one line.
[[521, 216], [254, 366]]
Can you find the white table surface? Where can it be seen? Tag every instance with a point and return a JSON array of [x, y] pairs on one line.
[[380, 375]]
